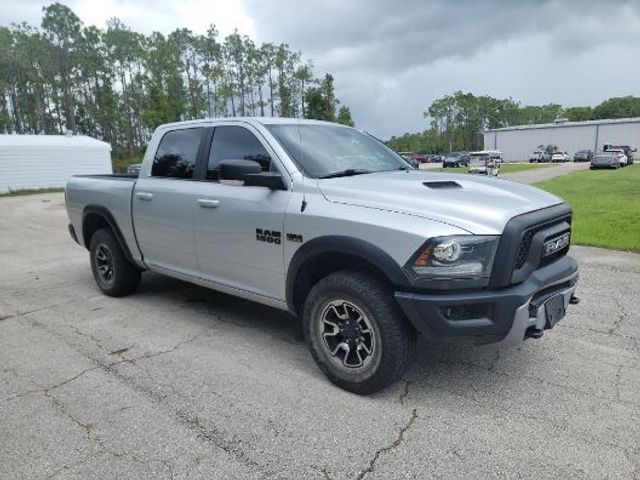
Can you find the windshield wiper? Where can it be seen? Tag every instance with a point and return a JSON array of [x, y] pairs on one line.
[[349, 172]]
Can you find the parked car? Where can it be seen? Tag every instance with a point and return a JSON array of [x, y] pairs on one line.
[[456, 159], [583, 156], [606, 159], [326, 222], [623, 160], [626, 149], [420, 158], [560, 157], [539, 156], [134, 169]]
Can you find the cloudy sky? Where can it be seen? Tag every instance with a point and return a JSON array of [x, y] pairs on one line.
[[391, 58]]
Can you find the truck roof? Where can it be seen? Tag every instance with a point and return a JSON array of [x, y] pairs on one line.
[[250, 120]]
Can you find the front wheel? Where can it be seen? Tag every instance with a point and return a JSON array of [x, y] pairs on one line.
[[113, 273], [356, 332]]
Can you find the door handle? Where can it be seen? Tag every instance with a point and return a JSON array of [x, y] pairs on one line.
[[208, 203], [144, 195]]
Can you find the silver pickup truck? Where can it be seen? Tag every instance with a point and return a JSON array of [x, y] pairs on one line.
[[328, 223]]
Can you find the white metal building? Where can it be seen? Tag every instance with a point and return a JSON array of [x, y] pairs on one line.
[[519, 142], [47, 161]]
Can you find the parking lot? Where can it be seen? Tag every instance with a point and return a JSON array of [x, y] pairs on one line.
[[178, 381]]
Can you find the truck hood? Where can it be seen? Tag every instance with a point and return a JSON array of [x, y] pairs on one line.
[[478, 204]]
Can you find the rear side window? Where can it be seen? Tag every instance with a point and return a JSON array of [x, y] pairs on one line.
[[177, 153], [235, 143]]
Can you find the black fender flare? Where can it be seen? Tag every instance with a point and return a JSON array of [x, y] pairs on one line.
[[106, 215], [368, 252]]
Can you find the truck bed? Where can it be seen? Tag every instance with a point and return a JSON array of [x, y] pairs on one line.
[[109, 192]]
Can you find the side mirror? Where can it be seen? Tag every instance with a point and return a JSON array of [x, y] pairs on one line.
[[271, 180], [634, 150], [237, 169]]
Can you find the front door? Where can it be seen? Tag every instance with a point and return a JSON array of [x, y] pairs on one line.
[[239, 229]]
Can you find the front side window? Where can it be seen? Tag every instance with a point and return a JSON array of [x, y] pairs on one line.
[[235, 143], [326, 150], [177, 153]]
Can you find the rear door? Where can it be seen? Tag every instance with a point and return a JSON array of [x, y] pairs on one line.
[[164, 202], [239, 229]]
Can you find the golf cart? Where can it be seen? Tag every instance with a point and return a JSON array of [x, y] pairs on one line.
[[485, 162]]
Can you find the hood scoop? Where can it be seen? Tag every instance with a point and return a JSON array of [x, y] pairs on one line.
[[443, 185]]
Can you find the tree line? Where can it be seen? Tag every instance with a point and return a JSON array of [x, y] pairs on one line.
[[118, 85], [458, 120]]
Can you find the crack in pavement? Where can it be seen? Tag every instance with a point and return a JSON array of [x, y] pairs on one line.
[[325, 473], [622, 316], [495, 361], [94, 339], [405, 391], [46, 307], [395, 444], [106, 367], [214, 437], [606, 333]]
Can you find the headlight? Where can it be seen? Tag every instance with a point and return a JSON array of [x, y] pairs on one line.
[[463, 256]]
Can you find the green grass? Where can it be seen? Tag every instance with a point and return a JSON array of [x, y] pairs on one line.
[[606, 206], [504, 168], [31, 191]]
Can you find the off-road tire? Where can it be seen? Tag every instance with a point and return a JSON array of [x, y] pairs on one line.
[[395, 338], [125, 277]]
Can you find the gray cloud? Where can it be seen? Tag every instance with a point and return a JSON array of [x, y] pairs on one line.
[[391, 58]]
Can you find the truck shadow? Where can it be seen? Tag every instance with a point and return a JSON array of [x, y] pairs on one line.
[[434, 366]]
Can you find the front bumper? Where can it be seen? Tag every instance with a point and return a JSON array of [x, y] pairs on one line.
[[503, 315]]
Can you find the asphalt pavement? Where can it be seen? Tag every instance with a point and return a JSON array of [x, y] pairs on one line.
[[181, 382]]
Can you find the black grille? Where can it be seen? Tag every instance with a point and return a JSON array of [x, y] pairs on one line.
[[527, 238], [524, 248], [521, 241]]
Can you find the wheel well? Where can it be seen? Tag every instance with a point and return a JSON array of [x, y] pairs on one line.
[[323, 264], [92, 222]]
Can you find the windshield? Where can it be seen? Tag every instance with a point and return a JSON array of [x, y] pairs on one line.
[[327, 150], [605, 155], [454, 154]]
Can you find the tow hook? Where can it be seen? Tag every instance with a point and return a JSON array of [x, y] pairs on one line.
[[574, 300], [533, 332]]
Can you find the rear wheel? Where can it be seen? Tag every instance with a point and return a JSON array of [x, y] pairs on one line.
[[113, 273], [356, 332]]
